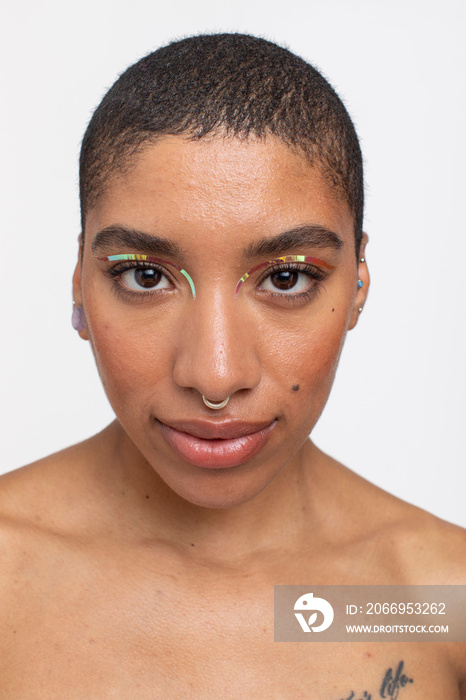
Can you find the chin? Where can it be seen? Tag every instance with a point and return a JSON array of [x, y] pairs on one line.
[[216, 492]]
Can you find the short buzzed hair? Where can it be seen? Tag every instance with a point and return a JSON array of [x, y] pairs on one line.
[[225, 85]]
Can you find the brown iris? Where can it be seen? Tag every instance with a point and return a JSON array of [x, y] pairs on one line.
[[284, 279], [147, 277]]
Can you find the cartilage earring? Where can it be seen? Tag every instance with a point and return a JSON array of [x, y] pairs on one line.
[[360, 284], [77, 318]]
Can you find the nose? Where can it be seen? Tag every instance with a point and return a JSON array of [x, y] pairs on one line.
[[217, 352]]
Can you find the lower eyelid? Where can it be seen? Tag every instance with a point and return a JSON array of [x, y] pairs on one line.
[[299, 299], [125, 294]]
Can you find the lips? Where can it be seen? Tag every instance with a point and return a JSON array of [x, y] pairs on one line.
[[216, 445]]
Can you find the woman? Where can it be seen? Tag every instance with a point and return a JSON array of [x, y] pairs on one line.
[[221, 264]]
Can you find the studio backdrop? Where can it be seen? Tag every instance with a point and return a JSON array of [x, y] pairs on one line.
[[397, 413]]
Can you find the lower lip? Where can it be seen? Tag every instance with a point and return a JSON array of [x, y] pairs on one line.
[[216, 454]]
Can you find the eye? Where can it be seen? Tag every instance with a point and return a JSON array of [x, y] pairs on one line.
[[140, 279], [286, 281]]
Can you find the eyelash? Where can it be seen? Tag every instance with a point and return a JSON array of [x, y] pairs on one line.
[[315, 273], [119, 288]]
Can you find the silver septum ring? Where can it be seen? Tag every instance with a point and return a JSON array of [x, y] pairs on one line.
[[215, 406]]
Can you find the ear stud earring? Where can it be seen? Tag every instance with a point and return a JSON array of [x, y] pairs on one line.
[[363, 260], [77, 318], [360, 284]]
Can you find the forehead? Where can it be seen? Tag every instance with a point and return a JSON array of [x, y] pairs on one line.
[[220, 191]]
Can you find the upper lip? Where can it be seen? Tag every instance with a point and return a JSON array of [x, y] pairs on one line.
[[218, 431]]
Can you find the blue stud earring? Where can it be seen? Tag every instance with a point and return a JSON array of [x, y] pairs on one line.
[[360, 284]]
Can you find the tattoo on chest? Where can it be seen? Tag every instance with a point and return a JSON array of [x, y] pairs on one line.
[[393, 682]]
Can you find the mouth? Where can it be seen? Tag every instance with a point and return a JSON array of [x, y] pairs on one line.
[[216, 445]]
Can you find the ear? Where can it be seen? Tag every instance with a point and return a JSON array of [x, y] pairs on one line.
[[363, 275], [77, 292]]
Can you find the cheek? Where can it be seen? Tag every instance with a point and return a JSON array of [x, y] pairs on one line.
[[309, 358], [314, 356], [132, 360]]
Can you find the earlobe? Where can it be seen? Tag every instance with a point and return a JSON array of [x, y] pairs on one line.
[[78, 318]]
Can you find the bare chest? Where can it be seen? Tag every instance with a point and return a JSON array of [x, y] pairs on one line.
[[174, 636]]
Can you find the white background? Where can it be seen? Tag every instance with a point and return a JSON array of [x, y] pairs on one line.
[[397, 413]]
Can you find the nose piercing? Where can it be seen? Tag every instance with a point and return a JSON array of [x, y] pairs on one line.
[[215, 406]]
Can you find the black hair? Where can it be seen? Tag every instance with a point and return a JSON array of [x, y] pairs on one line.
[[223, 84]]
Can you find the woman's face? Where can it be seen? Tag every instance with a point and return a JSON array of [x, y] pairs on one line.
[[217, 209]]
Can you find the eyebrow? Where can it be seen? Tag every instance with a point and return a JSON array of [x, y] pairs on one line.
[[307, 235], [113, 237]]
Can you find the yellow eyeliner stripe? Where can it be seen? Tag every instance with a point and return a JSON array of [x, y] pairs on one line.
[[284, 259], [149, 258]]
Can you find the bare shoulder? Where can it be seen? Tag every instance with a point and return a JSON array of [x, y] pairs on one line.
[[49, 518], [387, 541], [433, 551], [418, 548], [43, 504], [429, 551], [38, 492], [426, 549]]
